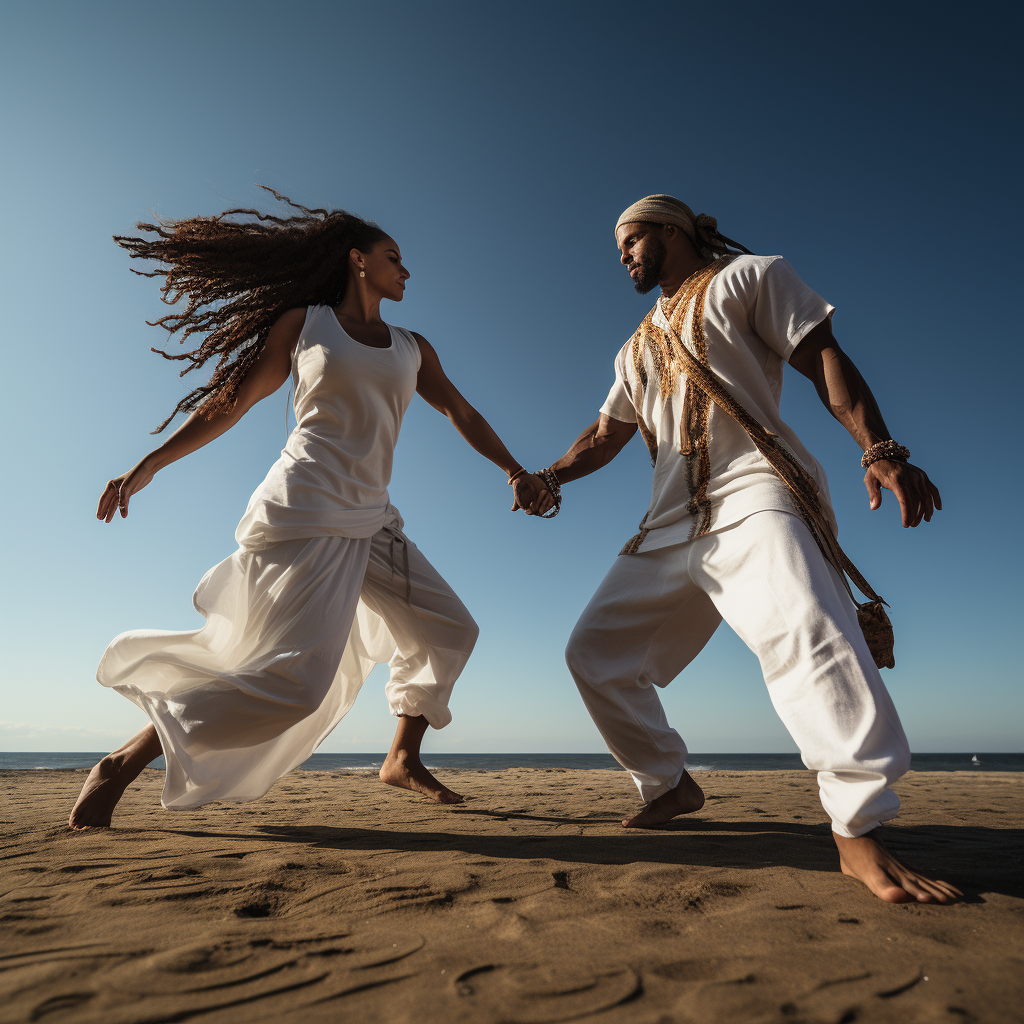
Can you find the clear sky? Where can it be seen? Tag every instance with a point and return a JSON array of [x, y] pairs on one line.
[[875, 147]]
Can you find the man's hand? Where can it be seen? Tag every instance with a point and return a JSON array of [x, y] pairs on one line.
[[917, 495], [531, 495]]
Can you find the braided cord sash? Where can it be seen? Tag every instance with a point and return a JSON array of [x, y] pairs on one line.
[[703, 387], [874, 623], [800, 483], [694, 439]]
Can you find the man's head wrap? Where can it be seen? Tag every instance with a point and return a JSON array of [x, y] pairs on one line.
[[701, 229]]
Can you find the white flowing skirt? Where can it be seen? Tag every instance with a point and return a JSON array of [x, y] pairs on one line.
[[292, 632]]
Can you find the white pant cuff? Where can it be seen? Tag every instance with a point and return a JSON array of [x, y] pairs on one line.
[[860, 830], [649, 792], [437, 715]]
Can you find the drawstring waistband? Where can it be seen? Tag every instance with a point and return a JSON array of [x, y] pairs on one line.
[[405, 550]]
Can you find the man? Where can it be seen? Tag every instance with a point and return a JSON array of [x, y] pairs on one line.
[[723, 538]]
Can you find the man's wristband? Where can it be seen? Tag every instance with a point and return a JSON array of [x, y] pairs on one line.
[[891, 450], [554, 489]]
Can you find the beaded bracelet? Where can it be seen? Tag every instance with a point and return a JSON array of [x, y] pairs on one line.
[[891, 450], [554, 489]]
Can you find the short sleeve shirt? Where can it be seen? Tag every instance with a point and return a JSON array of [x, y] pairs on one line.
[[756, 312]]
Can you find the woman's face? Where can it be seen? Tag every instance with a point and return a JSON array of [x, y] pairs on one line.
[[383, 268]]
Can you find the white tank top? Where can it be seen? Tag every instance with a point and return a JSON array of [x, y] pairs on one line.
[[333, 474]]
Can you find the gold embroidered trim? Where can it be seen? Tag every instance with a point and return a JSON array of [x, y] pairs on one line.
[[632, 546], [687, 304]]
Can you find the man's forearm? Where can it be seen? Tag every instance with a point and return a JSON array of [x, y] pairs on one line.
[[593, 449], [847, 396]]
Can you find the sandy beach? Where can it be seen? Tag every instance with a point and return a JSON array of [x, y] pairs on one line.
[[336, 898]]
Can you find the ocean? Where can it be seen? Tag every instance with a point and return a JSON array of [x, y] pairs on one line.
[[957, 762]]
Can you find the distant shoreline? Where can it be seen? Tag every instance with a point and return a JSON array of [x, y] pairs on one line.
[[697, 762]]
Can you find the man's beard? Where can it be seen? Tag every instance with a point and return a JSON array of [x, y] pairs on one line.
[[650, 267]]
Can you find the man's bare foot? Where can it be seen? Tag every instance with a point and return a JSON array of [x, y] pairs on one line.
[[100, 794], [406, 771], [685, 798], [865, 859]]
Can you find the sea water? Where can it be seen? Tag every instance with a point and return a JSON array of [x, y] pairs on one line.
[[957, 762]]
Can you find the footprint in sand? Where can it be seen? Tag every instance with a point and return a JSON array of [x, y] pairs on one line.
[[60, 1004], [263, 966], [542, 995]]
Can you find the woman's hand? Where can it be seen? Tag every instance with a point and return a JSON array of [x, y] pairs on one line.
[[119, 490], [531, 495], [917, 495], [269, 372]]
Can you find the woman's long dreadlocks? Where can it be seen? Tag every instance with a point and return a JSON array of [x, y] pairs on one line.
[[239, 276]]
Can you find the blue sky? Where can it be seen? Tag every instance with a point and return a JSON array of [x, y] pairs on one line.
[[498, 145]]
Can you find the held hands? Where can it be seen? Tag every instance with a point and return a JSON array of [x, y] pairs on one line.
[[917, 495], [119, 490], [531, 495]]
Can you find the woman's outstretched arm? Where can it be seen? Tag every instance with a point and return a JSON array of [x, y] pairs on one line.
[[438, 391], [269, 372]]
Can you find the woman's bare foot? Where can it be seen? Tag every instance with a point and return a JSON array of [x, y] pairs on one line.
[[685, 798], [865, 859], [110, 778], [100, 794], [406, 771]]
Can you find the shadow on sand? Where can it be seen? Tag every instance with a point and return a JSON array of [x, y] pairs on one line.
[[975, 859]]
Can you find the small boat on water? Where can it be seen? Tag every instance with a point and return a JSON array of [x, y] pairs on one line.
[[975, 760]]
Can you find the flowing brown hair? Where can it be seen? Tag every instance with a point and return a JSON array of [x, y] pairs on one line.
[[239, 276]]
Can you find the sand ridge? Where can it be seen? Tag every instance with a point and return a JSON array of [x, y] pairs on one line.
[[335, 897]]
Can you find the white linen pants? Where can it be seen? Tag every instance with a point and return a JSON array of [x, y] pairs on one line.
[[292, 632], [654, 612]]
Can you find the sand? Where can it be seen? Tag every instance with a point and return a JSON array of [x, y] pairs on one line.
[[335, 898]]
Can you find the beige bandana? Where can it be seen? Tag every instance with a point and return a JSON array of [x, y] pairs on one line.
[[701, 229]]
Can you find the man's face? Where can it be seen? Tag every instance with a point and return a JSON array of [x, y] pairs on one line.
[[643, 253]]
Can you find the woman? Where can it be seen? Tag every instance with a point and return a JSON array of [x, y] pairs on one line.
[[324, 584]]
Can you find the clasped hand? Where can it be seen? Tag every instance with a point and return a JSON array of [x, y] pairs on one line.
[[531, 495]]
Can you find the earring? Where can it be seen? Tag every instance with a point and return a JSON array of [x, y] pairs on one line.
[[362, 273]]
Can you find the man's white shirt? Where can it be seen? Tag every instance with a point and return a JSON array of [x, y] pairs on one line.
[[756, 312]]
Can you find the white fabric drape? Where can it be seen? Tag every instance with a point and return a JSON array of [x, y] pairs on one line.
[[292, 632]]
